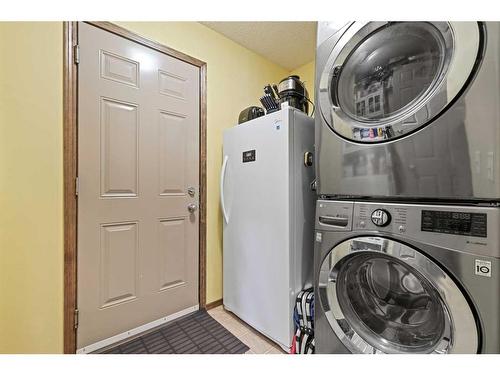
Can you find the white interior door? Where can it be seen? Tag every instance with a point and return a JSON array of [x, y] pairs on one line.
[[138, 152]]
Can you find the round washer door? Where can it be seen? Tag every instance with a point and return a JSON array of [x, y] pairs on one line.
[[385, 80], [382, 296]]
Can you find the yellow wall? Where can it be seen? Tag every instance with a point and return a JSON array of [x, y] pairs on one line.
[[31, 213]]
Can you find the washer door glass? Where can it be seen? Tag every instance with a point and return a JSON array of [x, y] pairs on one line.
[[386, 80], [390, 304], [382, 296]]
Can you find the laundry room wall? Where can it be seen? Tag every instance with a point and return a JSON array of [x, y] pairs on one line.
[[31, 164], [31, 188]]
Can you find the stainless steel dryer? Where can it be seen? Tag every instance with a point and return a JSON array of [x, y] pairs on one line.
[[408, 109], [406, 278]]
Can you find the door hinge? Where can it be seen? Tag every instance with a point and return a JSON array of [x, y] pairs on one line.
[[77, 186], [77, 313], [76, 54]]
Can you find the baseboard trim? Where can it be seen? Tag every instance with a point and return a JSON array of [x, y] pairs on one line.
[[214, 304], [134, 331]]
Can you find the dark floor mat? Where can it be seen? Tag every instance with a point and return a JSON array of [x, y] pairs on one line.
[[197, 333]]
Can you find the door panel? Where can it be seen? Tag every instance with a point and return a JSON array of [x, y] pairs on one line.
[[119, 138], [172, 258], [119, 68], [119, 270], [172, 85], [172, 148], [138, 139]]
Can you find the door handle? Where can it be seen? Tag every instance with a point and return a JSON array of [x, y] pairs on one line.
[[192, 207], [336, 221], [334, 87], [222, 178]]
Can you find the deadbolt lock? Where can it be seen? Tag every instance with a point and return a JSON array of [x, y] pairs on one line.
[[191, 191]]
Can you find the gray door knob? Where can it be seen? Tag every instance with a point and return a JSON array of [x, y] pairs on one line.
[[192, 207]]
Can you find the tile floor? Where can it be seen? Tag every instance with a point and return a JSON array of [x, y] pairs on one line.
[[257, 343]]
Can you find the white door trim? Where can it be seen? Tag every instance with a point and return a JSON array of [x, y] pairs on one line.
[[134, 331]]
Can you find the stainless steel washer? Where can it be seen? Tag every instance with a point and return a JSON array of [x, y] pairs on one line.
[[408, 110], [406, 278]]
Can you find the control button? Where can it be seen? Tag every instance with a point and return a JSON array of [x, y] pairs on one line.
[[362, 224], [402, 229], [381, 217]]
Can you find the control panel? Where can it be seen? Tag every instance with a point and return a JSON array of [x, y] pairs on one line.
[[472, 229], [248, 156], [390, 218]]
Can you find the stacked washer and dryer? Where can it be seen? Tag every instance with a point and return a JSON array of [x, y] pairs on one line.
[[407, 244]]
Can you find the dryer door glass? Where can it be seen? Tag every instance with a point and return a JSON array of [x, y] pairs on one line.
[[382, 296], [385, 80], [390, 70]]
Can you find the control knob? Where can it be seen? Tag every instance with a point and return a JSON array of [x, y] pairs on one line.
[[381, 217]]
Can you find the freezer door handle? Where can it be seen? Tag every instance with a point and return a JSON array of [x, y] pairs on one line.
[[336, 221], [222, 178]]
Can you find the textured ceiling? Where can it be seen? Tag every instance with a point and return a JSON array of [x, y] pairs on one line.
[[289, 44]]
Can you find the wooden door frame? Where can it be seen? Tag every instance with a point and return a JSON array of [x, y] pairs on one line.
[[70, 160]]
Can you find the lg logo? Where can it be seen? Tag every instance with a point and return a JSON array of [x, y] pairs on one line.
[[483, 268]]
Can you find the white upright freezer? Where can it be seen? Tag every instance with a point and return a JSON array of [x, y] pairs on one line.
[[268, 219]]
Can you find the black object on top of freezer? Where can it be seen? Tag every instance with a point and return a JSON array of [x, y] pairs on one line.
[[272, 91], [270, 101], [250, 113], [292, 90]]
